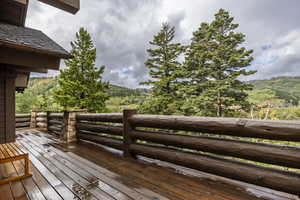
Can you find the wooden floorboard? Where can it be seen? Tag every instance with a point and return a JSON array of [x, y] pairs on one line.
[[143, 191], [83, 171], [17, 187], [89, 185], [51, 186], [46, 189]]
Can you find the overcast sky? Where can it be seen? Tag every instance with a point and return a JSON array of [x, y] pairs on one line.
[[121, 30]]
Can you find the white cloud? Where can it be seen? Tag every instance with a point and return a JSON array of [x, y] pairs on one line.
[[122, 29]]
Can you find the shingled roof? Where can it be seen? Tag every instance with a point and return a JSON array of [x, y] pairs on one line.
[[27, 39]]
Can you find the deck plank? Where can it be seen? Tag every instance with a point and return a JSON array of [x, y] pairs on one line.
[[78, 191], [48, 191], [98, 172], [99, 194], [169, 184], [158, 181], [88, 172], [46, 175], [155, 182], [84, 171], [114, 179], [5, 189], [17, 187], [32, 190]]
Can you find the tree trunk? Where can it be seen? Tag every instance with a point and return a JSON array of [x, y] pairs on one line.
[[219, 109]]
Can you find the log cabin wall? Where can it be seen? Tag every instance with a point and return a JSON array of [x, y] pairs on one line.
[[7, 105]]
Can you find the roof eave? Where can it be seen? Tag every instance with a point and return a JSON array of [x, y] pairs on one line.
[[34, 50]]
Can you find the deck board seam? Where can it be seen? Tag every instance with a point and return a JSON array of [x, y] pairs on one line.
[[22, 181], [45, 180], [48, 161], [66, 165], [103, 174], [24, 146]]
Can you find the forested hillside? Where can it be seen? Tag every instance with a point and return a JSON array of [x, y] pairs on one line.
[[277, 97], [38, 95], [278, 92]]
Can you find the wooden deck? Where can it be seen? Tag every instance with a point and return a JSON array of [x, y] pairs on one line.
[[82, 171]]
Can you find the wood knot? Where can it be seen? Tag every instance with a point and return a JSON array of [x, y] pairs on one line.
[[241, 122]]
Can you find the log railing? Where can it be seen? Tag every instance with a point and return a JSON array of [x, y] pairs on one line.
[[89, 128], [41, 120], [239, 149], [23, 120], [55, 122], [226, 147]]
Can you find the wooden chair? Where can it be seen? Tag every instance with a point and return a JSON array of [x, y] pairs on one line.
[[8, 154]]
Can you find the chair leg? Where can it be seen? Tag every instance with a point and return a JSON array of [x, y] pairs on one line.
[[26, 166]]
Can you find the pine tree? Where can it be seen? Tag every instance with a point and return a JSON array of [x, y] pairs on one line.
[[214, 62], [163, 68], [81, 85]]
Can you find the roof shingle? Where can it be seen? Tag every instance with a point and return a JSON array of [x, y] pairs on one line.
[[28, 39]]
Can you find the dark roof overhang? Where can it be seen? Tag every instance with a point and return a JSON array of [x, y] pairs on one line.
[[13, 11], [29, 50], [30, 40]]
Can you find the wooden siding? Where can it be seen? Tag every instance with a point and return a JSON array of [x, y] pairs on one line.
[[7, 106]]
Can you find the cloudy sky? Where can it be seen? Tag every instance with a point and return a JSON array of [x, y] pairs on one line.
[[121, 30]]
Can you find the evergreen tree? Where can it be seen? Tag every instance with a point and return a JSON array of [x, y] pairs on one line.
[[214, 62], [163, 68], [80, 85]]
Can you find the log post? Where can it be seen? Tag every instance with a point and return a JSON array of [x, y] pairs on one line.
[[47, 119], [33, 121], [127, 128], [69, 125]]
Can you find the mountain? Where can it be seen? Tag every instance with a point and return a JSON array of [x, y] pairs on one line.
[[114, 91], [290, 84], [281, 91], [38, 95], [275, 92]]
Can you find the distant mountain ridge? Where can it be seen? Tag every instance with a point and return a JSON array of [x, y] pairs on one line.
[[283, 88], [114, 91]]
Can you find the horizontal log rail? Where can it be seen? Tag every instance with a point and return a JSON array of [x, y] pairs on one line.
[[56, 115], [19, 120], [88, 130], [23, 120], [260, 152], [23, 116], [210, 151], [41, 125], [23, 125], [107, 141], [41, 119], [267, 177], [266, 129], [112, 130], [54, 129], [56, 122], [109, 117], [42, 114]]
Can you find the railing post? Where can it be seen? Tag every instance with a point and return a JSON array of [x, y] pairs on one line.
[[69, 125], [47, 120], [127, 128], [33, 121]]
